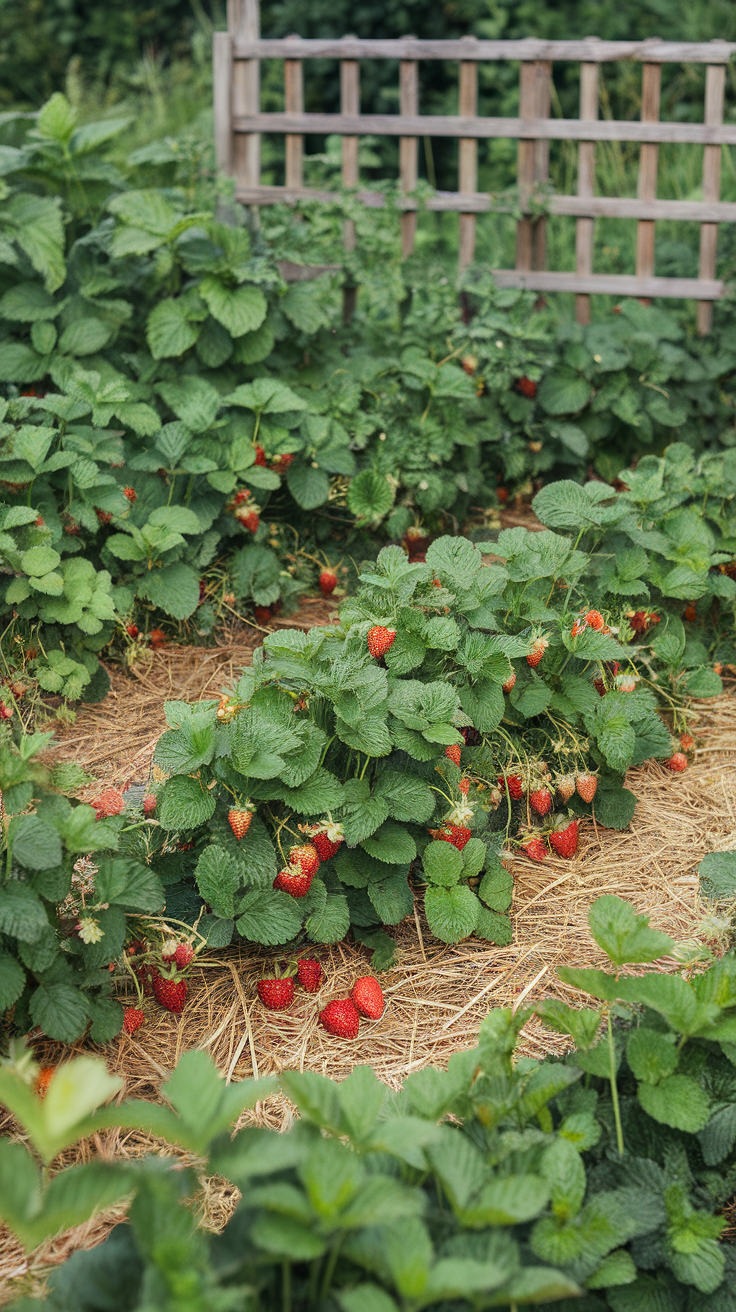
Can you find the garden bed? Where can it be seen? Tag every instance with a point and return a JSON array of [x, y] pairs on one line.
[[436, 994]]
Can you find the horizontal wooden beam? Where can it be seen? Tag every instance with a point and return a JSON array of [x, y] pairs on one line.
[[589, 50], [452, 125], [595, 207], [612, 284]]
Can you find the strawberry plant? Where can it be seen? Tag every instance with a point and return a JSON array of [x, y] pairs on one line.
[[592, 1181], [65, 896]]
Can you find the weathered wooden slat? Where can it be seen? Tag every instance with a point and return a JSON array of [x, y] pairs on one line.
[[408, 149], [589, 50], [612, 284], [611, 207], [349, 104], [715, 81], [532, 164], [294, 104], [648, 159], [451, 125], [467, 160], [586, 185], [222, 99], [244, 25]]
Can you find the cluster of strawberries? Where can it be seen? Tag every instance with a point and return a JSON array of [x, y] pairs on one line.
[[246, 510], [279, 465], [111, 802], [159, 973], [340, 1017], [560, 831], [304, 859]]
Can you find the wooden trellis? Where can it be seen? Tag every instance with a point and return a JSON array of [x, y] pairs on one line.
[[239, 124]]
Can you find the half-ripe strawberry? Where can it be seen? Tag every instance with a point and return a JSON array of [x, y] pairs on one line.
[[133, 1018], [184, 955], [310, 974], [687, 742], [579, 626], [293, 881], [515, 785], [341, 1018], [594, 619], [677, 762], [368, 997], [307, 857], [586, 785], [534, 848], [276, 994], [539, 647], [464, 787], [327, 582], [564, 838], [453, 753], [565, 784], [379, 640], [326, 846], [239, 821], [540, 800], [508, 685]]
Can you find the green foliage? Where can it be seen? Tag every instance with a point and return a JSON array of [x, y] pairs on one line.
[[542, 1188], [62, 918]]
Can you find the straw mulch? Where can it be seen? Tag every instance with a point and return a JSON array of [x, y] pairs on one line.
[[436, 995]]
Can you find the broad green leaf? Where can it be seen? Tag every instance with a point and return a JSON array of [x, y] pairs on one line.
[[452, 913], [240, 310], [652, 1056], [169, 331], [678, 1101], [623, 935], [717, 873], [184, 803]]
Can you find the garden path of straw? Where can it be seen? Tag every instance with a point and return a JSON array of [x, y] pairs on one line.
[[436, 995]]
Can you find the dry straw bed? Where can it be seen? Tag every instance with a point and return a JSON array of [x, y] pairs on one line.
[[436, 995]]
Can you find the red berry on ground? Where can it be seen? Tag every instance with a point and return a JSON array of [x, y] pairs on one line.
[[157, 638], [368, 997], [341, 1018], [677, 762], [540, 800], [310, 974], [133, 1018], [379, 640], [276, 994], [171, 994], [687, 742], [327, 582], [564, 841], [109, 802], [239, 821], [534, 848], [453, 753]]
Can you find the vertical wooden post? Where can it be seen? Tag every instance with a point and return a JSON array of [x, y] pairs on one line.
[[244, 23], [648, 159], [222, 99], [467, 158], [533, 164], [408, 146], [294, 104], [349, 104], [586, 185], [715, 81]]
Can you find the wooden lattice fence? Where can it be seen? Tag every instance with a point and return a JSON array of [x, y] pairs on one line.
[[239, 123]]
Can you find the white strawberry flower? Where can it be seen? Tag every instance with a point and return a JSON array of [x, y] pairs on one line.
[[335, 832], [90, 931], [460, 815], [169, 947]]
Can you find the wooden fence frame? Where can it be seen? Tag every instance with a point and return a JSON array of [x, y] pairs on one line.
[[239, 124]]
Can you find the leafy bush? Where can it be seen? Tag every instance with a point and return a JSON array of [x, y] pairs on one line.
[[590, 1182], [64, 898]]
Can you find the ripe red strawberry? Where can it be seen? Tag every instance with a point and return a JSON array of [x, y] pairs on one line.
[[260, 456], [341, 1018], [184, 955], [262, 614], [131, 494], [103, 515], [72, 528], [379, 640], [690, 614], [326, 847], [515, 785], [677, 762], [133, 1018], [534, 848], [464, 786], [327, 582], [453, 753], [239, 822], [131, 630], [306, 857], [171, 994], [43, 1080], [281, 463], [566, 786], [527, 387], [250, 520], [508, 685], [458, 835], [600, 687], [293, 881], [594, 619], [368, 997], [503, 495], [686, 742], [540, 800], [109, 802], [539, 647], [416, 540], [145, 975], [157, 638], [586, 785], [565, 841], [310, 974], [39, 522], [276, 994], [149, 804], [6, 713], [579, 626]]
